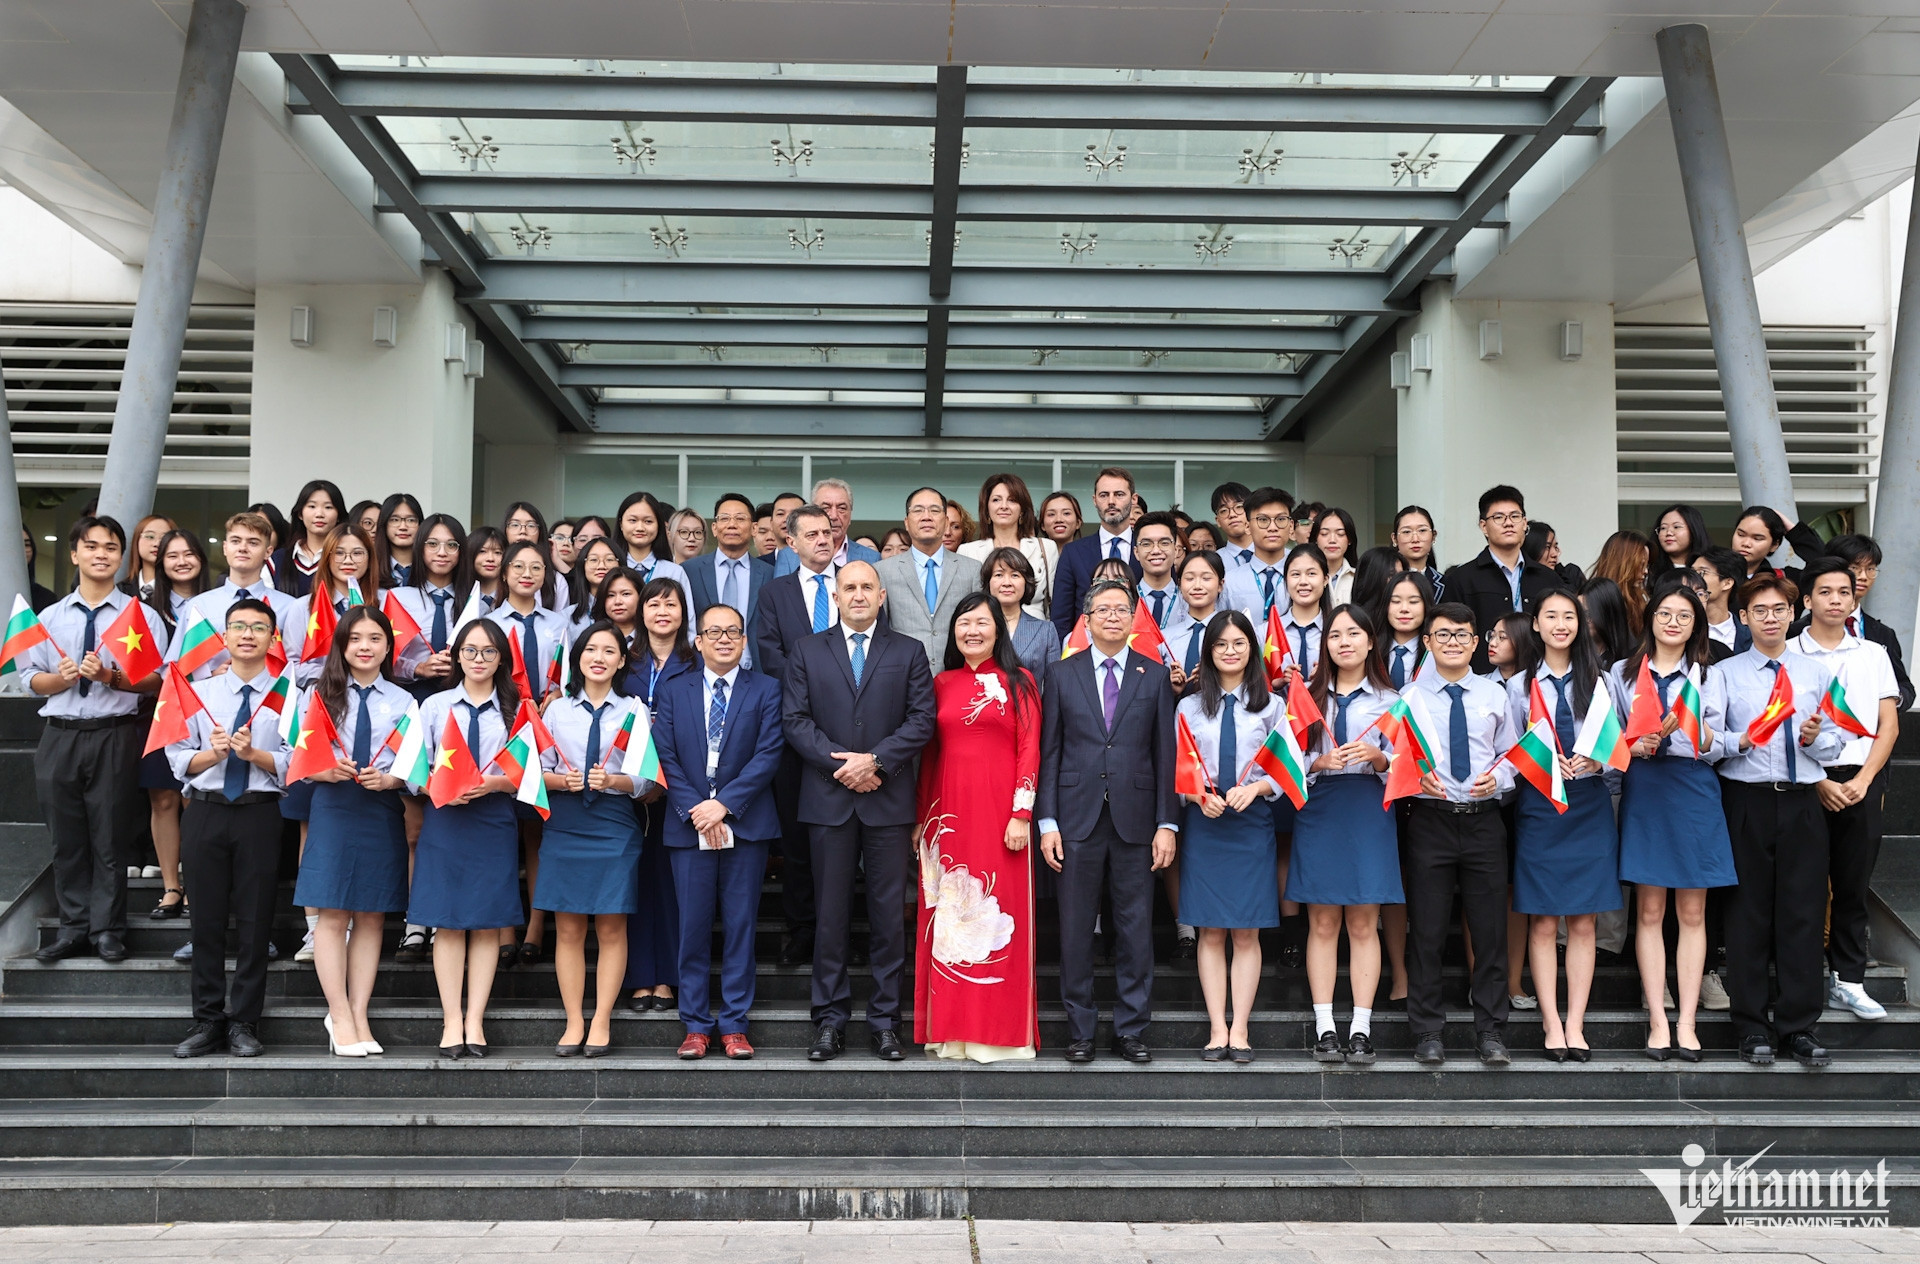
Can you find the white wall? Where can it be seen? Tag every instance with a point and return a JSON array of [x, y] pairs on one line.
[[1529, 418], [375, 420], [46, 261]]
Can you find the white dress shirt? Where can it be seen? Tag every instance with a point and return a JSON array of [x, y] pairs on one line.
[[1866, 673], [1489, 731], [65, 621]]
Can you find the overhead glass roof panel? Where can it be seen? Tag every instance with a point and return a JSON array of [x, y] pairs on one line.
[[1094, 245], [707, 239]]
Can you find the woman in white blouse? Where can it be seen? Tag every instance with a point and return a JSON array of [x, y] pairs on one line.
[[1007, 522]]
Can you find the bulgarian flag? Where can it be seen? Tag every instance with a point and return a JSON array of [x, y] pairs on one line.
[[24, 631], [1146, 636], [1833, 705], [454, 772], [1077, 639], [278, 695], [1537, 709], [1774, 714], [519, 759], [200, 643], [411, 761], [405, 630], [1189, 768], [1644, 712], [321, 621], [1601, 738], [1302, 712], [1278, 652], [1535, 758], [1280, 758], [177, 704], [1687, 710], [648, 769], [528, 716]]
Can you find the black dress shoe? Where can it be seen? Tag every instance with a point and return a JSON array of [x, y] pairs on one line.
[[642, 1004], [564, 1050], [857, 954], [1327, 1048], [1214, 1053], [243, 1041], [1392, 1005], [1360, 1049], [1133, 1049], [1080, 1051], [453, 1053], [829, 1042], [1428, 1051], [1185, 949], [1492, 1050], [1756, 1050], [797, 949], [164, 911], [110, 948], [61, 949], [1807, 1051], [1293, 956], [205, 1038], [596, 1051], [1580, 1053], [1683, 1053], [886, 1046], [476, 1051], [1555, 1055]]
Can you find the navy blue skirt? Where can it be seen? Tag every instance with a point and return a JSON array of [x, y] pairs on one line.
[[1566, 863], [356, 856], [156, 773], [1229, 869], [466, 867], [589, 856], [297, 803], [1346, 846], [1673, 831]]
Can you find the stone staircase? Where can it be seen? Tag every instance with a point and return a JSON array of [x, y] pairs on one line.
[[99, 1123]]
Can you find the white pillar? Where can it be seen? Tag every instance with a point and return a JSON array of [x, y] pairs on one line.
[[375, 420], [1528, 418]]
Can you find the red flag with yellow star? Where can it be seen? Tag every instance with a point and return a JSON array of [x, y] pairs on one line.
[[315, 745], [1189, 768], [321, 621], [1302, 711], [454, 772], [1779, 707], [131, 642], [177, 703], [1278, 654]]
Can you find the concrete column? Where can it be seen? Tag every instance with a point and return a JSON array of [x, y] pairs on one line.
[[1726, 270], [173, 259], [1528, 418], [13, 560], [1896, 515], [375, 420]]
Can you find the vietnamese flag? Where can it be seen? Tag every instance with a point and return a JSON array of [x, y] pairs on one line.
[[24, 631], [1279, 650], [1774, 714], [199, 643], [1687, 710], [176, 704], [1189, 768], [454, 772], [1645, 715], [1403, 778], [1535, 759], [1077, 639], [1302, 711], [1280, 758], [277, 654], [315, 744], [1833, 705], [520, 680], [321, 621], [405, 630], [1146, 636], [131, 642]]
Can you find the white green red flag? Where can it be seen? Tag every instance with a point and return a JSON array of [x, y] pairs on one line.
[[24, 631], [647, 767], [1601, 738], [200, 642], [519, 759], [1534, 757], [1280, 758], [412, 761]]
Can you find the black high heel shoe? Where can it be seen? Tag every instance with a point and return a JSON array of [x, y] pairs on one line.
[[530, 953], [1579, 1053], [1556, 1055], [476, 1051], [453, 1053], [164, 911], [570, 1051]]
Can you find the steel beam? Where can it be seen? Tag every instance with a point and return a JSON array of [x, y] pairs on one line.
[[1134, 335], [935, 385], [538, 362], [844, 377], [949, 126], [903, 422]]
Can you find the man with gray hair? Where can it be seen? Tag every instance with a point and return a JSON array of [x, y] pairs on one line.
[[835, 497]]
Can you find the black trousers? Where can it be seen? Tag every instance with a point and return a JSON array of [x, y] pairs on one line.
[[1853, 848], [89, 786], [838, 853], [1087, 864], [1469, 851], [231, 856], [796, 847], [1775, 915]]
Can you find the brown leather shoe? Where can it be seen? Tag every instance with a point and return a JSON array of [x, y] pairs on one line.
[[735, 1045], [695, 1045]]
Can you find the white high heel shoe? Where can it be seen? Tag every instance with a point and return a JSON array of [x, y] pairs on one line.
[[370, 1047], [339, 1050]]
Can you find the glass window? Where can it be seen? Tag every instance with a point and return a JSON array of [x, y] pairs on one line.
[[597, 482], [762, 478], [1152, 480], [1201, 477]]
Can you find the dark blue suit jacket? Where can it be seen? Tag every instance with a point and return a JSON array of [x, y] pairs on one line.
[[1082, 765], [749, 755], [784, 617], [1073, 577], [889, 714], [703, 578]]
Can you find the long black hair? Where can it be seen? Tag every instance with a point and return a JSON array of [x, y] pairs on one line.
[[533, 511], [545, 596], [383, 557], [1583, 659], [1699, 540], [579, 588], [163, 583], [503, 686], [1311, 552], [335, 674], [298, 526], [478, 539], [598, 610], [660, 548], [1696, 651], [418, 577], [576, 681], [1606, 612], [1321, 684], [1024, 690], [1206, 677]]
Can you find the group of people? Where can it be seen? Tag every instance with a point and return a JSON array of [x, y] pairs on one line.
[[1282, 730]]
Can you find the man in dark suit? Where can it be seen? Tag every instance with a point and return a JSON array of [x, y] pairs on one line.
[[720, 739], [730, 574], [858, 709], [1107, 809], [1113, 500], [1500, 580]]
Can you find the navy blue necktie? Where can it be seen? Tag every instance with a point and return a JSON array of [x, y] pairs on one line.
[[363, 728], [235, 784], [438, 636], [1563, 711], [88, 640], [1341, 702], [1399, 673], [1791, 738], [1195, 636], [717, 713], [241, 594], [473, 727], [1267, 577], [592, 760], [1229, 759], [402, 576], [1458, 761], [1664, 683], [1113, 549], [1159, 609], [530, 650], [1306, 656]]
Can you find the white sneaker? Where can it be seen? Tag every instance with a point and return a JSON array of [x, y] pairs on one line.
[[306, 949], [1853, 998], [133, 871], [1522, 1001], [1713, 993], [151, 871]]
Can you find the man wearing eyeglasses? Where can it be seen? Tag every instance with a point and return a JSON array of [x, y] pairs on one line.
[[1500, 580]]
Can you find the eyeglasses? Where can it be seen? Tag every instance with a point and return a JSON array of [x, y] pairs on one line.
[[1414, 533], [257, 629], [1673, 616], [691, 533], [479, 654], [442, 546], [1266, 521], [725, 634], [403, 520], [1769, 612], [1505, 519], [1451, 638], [1866, 570]]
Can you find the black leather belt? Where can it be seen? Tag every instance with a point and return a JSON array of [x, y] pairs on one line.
[[1451, 808], [92, 724], [248, 799]]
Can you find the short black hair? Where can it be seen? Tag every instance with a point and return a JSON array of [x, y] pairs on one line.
[[1261, 497], [1770, 519], [254, 604], [1763, 583], [738, 498], [88, 522], [1725, 562], [1162, 518], [1499, 493], [1226, 492], [763, 511], [1828, 565], [1852, 548], [908, 502], [1453, 612]]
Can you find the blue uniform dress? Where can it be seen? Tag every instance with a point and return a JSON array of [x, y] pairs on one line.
[[544, 639], [590, 851], [1346, 847], [436, 609], [1563, 863], [1673, 831], [297, 803], [1227, 863], [356, 856], [653, 939], [466, 866]]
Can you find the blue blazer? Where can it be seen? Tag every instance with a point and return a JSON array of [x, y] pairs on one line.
[[703, 577], [890, 714], [786, 561], [749, 755], [638, 666], [1072, 579]]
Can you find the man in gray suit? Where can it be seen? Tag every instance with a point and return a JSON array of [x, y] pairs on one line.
[[926, 583]]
